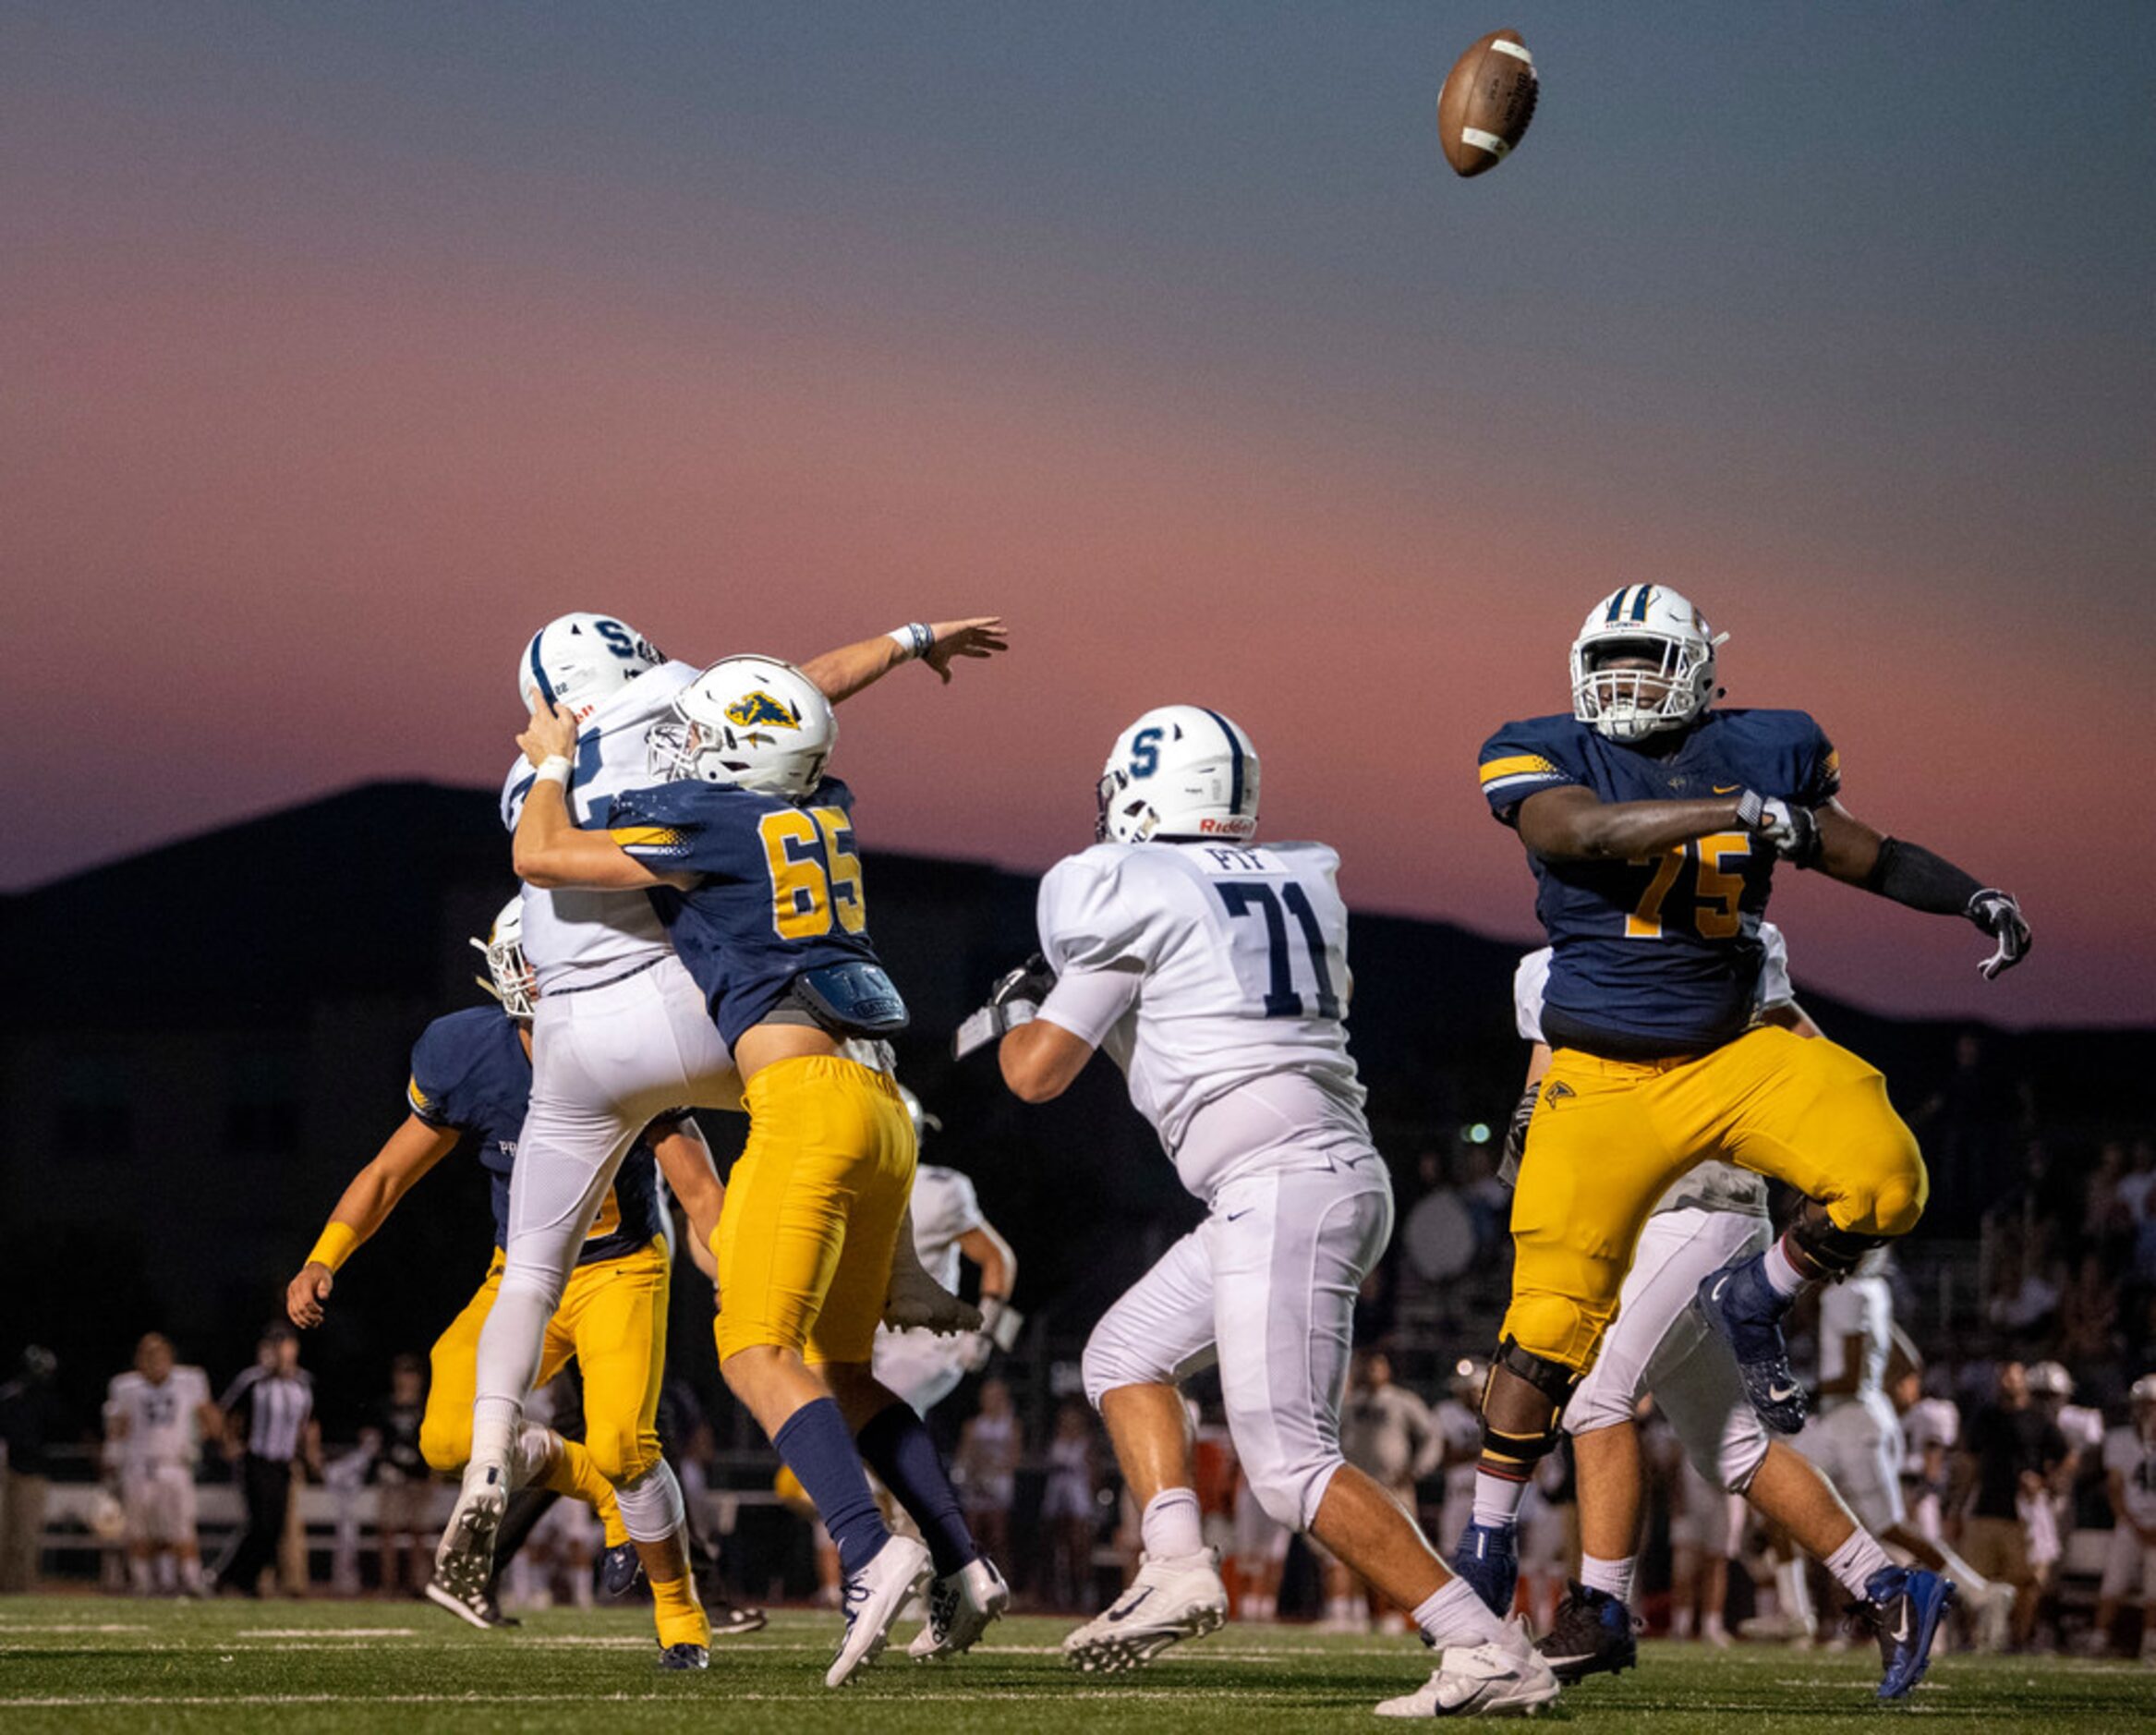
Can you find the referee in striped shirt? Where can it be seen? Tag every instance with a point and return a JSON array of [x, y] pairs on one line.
[[268, 1415]]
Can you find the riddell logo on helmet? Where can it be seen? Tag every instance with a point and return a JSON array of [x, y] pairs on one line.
[[1228, 828]]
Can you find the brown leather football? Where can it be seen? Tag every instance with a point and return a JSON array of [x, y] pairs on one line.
[[1487, 102]]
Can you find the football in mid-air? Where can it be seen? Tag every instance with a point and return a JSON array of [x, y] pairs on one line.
[[1487, 102]]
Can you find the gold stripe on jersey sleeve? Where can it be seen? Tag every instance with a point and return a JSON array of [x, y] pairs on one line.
[[1514, 766], [646, 836]]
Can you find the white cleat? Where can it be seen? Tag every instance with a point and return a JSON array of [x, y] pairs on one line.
[[960, 1606], [1174, 1597], [1502, 1677], [464, 1563], [899, 1572]]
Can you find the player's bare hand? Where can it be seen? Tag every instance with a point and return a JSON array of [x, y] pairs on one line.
[[305, 1294], [550, 732], [982, 637]]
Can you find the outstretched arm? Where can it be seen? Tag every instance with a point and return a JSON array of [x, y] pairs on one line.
[[1041, 1060], [412, 1150], [1911, 875], [843, 673]]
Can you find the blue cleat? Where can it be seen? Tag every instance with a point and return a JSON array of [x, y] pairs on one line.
[[1484, 1557], [620, 1569], [1743, 1311], [1905, 1606]]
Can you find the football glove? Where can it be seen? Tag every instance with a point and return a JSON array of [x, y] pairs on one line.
[[1793, 831], [1012, 1002], [1516, 1134], [1999, 916]]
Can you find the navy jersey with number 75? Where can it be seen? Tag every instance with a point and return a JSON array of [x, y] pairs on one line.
[[1658, 957], [779, 888]]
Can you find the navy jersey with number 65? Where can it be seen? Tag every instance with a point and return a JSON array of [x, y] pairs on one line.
[[778, 887], [1658, 956]]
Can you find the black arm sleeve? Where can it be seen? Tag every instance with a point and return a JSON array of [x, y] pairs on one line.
[[1910, 874]]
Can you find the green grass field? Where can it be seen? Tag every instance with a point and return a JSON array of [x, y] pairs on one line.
[[82, 1664]]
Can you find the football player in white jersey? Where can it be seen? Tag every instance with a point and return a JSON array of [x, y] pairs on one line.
[[1659, 1344], [922, 1367], [1213, 970], [155, 1419], [2129, 1478], [621, 1032]]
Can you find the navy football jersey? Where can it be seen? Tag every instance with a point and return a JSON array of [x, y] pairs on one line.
[[1658, 957], [470, 1072], [778, 891]]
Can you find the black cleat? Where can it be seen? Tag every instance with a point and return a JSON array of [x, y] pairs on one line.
[[684, 1656], [621, 1570], [1592, 1635], [479, 1609], [729, 1619]]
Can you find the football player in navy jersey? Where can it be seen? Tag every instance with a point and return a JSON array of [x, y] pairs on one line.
[[1654, 824], [751, 852], [471, 1079]]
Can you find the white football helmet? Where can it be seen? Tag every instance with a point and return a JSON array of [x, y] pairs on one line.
[[1180, 772], [509, 978], [1653, 621], [754, 722], [581, 661], [2050, 1379], [924, 1122], [2143, 1392]]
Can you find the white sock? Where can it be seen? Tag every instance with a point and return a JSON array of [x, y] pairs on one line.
[[1614, 1577], [1453, 1614], [652, 1506], [1171, 1524], [1680, 1623], [1497, 1500], [1711, 1624], [1854, 1562], [1783, 1278], [495, 1425], [1796, 1592]]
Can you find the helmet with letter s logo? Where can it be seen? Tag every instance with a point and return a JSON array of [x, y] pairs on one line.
[[1181, 772], [1664, 653], [581, 661], [757, 722], [508, 977]]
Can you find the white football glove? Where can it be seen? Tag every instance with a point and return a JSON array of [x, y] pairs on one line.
[[2000, 915], [1791, 829], [1012, 1002]]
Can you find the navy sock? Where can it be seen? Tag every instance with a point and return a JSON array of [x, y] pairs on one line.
[[896, 1445], [820, 1453]]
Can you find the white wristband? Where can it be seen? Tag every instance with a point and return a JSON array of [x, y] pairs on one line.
[[554, 769], [914, 639]]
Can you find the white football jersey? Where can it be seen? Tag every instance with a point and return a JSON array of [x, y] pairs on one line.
[[2132, 1452], [1208, 972], [1712, 1185], [945, 1208], [1929, 1422], [581, 938], [1856, 1307], [160, 1421]]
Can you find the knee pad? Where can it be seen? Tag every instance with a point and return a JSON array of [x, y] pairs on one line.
[[1289, 1494], [1556, 1329], [652, 1508], [445, 1441], [621, 1455], [1112, 1361]]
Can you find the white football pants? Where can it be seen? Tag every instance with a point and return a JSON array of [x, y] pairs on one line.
[[1659, 1344], [605, 1061], [923, 1367], [1265, 1286]]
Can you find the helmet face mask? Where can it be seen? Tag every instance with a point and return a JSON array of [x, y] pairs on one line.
[[509, 977], [1183, 773], [1644, 662], [754, 722], [578, 661]]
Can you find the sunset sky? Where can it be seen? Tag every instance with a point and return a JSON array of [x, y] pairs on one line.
[[342, 345]]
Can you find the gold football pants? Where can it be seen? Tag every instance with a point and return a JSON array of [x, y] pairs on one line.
[[813, 1210], [613, 1319], [1608, 1137]]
